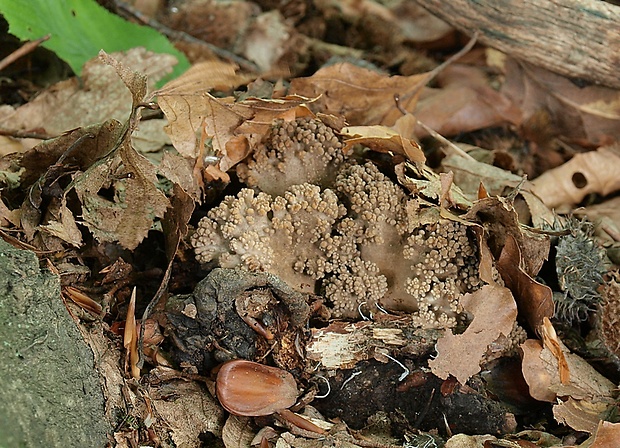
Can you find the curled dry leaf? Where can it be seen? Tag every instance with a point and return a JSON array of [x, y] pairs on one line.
[[383, 139], [130, 337], [586, 173], [421, 180], [495, 312], [64, 225], [500, 219], [82, 300], [583, 398], [551, 341], [469, 174], [535, 300]]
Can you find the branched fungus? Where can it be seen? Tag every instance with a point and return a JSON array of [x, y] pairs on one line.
[[362, 244]]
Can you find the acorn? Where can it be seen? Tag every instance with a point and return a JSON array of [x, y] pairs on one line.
[[251, 389]]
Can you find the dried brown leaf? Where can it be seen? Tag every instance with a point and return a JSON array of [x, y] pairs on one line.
[[470, 173], [64, 226], [607, 435], [551, 341], [76, 149], [458, 108], [537, 376], [238, 432], [193, 411], [203, 77], [82, 300], [580, 415], [500, 219], [273, 44], [98, 95], [361, 95], [589, 115], [8, 217], [586, 173], [495, 312], [606, 217], [421, 180], [584, 397], [534, 299], [180, 170], [233, 127], [134, 80], [127, 214], [383, 139]]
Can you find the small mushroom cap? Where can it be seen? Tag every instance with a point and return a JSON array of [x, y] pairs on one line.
[[251, 389]]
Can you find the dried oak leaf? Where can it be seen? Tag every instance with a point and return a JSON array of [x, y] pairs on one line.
[[495, 312], [361, 95]]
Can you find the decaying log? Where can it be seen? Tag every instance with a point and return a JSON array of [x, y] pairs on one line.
[[576, 38]]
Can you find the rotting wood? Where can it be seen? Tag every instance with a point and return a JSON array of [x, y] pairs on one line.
[[342, 345], [576, 38]]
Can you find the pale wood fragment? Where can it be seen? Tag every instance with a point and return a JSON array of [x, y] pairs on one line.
[[342, 345]]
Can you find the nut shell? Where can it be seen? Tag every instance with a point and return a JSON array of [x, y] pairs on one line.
[[251, 389]]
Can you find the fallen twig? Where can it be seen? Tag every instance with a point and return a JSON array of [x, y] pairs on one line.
[[22, 51]]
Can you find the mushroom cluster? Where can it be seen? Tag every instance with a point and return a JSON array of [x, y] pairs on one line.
[[362, 243]]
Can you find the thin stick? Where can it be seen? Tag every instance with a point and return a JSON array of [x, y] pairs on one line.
[[28, 47], [445, 141], [25, 134], [434, 72]]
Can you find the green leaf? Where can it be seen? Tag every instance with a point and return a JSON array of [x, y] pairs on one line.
[[80, 28]]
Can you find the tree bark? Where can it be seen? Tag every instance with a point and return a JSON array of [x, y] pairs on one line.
[[50, 395], [576, 38]]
